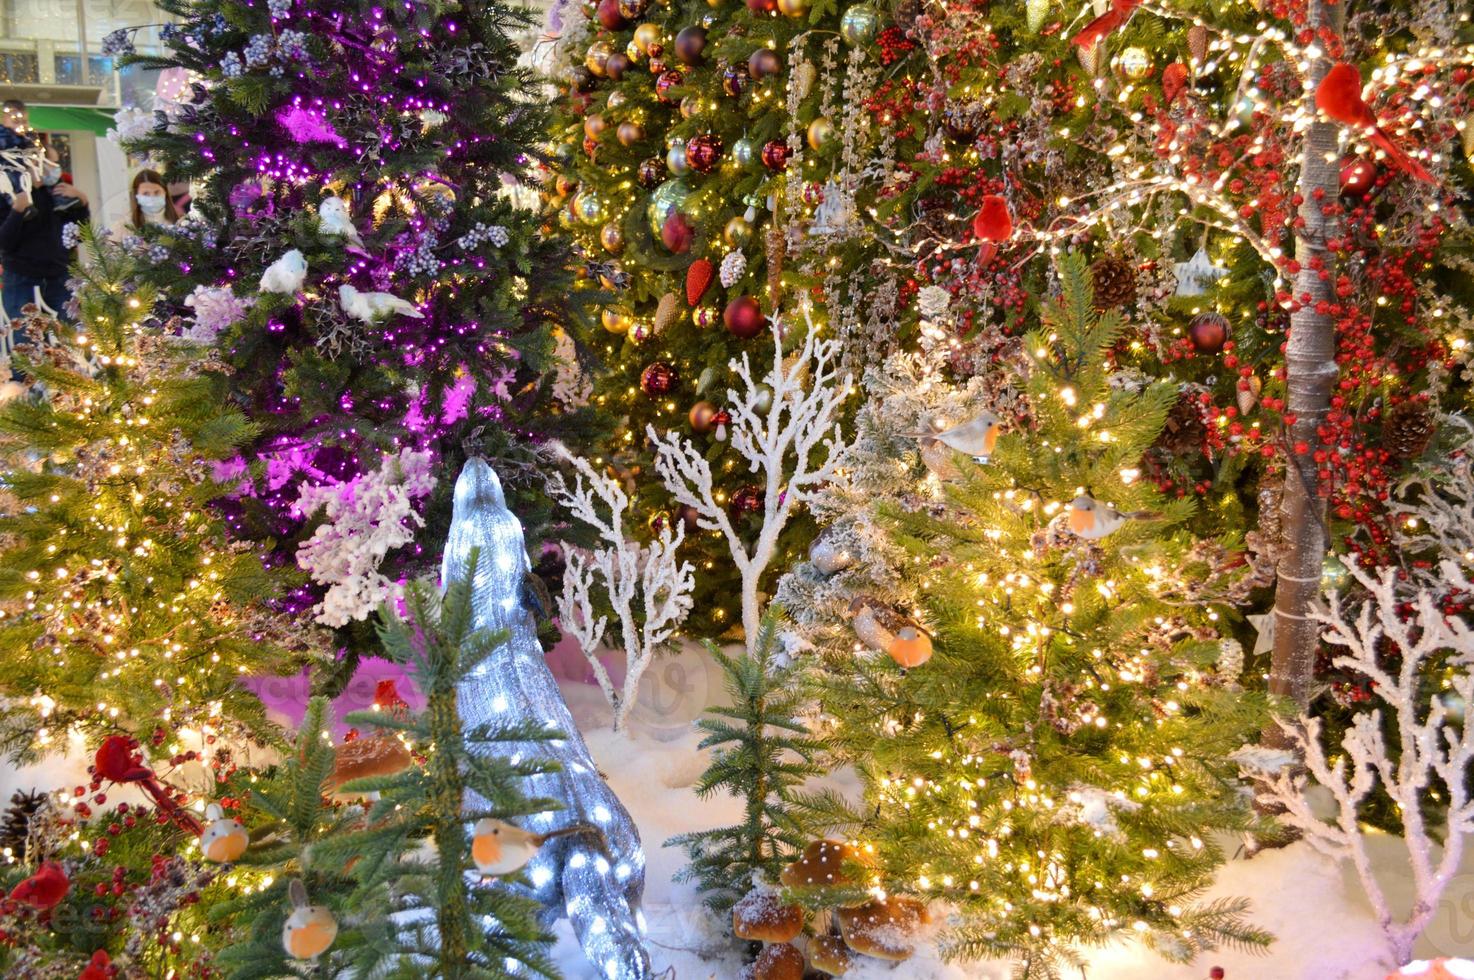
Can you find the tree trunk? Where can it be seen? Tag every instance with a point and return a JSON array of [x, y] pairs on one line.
[[1311, 372]]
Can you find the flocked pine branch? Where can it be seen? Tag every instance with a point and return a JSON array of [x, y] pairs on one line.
[[793, 440], [647, 586], [1433, 745]]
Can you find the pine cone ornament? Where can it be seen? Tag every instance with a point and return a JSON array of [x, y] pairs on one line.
[[667, 312], [1114, 281], [734, 267], [15, 824], [1185, 432], [1407, 429]]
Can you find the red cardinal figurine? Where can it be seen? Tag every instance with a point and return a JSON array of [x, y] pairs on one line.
[[43, 890], [117, 761], [992, 223], [1174, 81], [100, 967], [1107, 22], [1339, 97]]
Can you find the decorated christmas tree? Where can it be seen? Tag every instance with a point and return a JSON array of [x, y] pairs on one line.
[[1033, 686], [125, 605], [359, 250], [699, 150]]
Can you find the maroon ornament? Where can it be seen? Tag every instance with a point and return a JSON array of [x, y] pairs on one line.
[[690, 42], [1208, 332], [677, 233], [746, 500], [652, 172], [762, 6], [667, 81], [617, 65], [744, 318], [703, 417], [611, 18], [1358, 177], [764, 62], [656, 65], [703, 152], [775, 154], [689, 517], [658, 378], [583, 79], [735, 79], [590, 146], [959, 124], [633, 9]]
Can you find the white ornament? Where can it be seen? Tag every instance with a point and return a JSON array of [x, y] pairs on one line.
[[373, 307], [733, 268], [286, 274], [933, 302], [334, 221], [225, 839], [1198, 273]]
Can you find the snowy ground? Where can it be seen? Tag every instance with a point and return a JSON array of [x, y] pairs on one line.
[[1324, 927]]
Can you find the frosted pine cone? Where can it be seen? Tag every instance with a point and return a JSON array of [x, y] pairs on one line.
[[733, 268]]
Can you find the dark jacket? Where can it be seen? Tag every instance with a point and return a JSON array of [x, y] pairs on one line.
[[30, 244]]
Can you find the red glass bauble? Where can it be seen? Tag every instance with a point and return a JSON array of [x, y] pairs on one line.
[[677, 233], [690, 42], [775, 154], [703, 152], [1208, 332], [658, 378], [667, 81], [735, 79], [746, 500], [1358, 177], [652, 172], [764, 62], [611, 18], [762, 6], [744, 317]]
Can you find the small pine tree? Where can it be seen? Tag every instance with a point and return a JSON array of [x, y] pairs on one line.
[[290, 821], [1057, 769], [123, 604], [762, 755], [446, 921]]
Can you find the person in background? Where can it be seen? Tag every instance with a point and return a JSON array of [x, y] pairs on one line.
[[149, 204], [32, 252]]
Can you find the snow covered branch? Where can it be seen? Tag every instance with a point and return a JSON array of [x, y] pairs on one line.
[[791, 438], [647, 587], [1434, 742]]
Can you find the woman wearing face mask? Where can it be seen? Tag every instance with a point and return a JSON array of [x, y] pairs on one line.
[[150, 205], [31, 248]]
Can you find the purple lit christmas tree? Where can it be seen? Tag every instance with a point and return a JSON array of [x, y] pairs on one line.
[[362, 253]]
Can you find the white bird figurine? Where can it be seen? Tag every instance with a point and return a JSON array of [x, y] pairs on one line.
[[501, 848], [333, 221], [286, 274], [1093, 520], [373, 307], [976, 436]]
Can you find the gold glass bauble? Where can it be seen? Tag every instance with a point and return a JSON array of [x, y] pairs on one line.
[[738, 232], [611, 236], [820, 132], [645, 35], [1134, 64], [616, 320], [793, 8], [597, 57], [594, 125]]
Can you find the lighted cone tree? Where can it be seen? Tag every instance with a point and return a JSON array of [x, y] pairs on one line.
[[358, 250], [1042, 730]]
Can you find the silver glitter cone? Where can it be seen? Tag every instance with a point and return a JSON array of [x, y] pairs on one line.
[[572, 876]]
